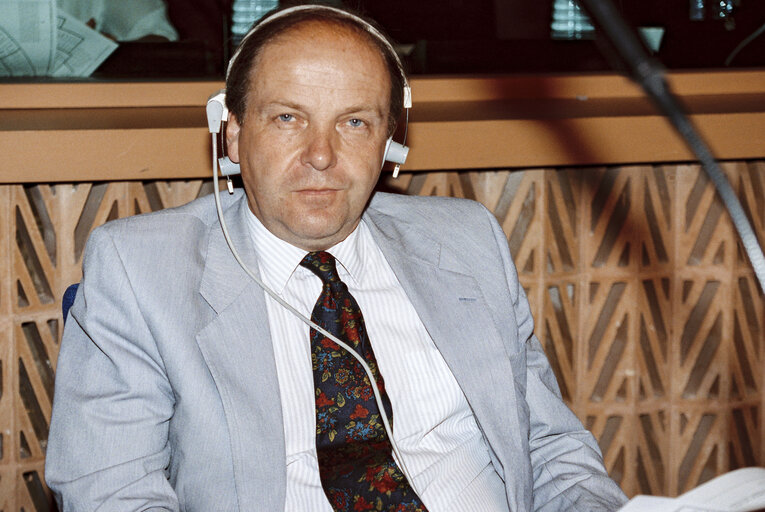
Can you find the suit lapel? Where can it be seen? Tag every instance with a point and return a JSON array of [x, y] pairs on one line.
[[237, 347], [455, 313]]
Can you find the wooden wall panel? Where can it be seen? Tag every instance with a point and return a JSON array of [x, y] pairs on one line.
[[557, 328], [7, 460], [699, 446], [613, 432], [644, 303], [652, 448], [652, 358]]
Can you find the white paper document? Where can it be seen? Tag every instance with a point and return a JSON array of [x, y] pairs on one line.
[[37, 39], [742, 490], [80, 49], [27, 37]]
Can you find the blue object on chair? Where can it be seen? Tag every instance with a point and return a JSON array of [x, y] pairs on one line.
[[68, 299]]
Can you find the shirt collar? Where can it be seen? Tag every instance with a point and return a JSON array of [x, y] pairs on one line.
[[278, 259], [352, 253]]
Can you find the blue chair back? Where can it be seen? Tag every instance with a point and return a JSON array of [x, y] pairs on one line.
[[68, 299]]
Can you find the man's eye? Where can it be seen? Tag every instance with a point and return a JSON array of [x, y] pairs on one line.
[[356, 123], [286, 117]]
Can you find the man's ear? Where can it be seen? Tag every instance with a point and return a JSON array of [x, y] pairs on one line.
[[233, 129]]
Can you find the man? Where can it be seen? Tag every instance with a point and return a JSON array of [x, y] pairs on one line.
[[181, 385]]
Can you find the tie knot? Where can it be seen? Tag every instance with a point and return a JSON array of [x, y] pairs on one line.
[[322, 264]]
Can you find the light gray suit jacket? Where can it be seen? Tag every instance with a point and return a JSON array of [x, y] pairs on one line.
[[166, 392]]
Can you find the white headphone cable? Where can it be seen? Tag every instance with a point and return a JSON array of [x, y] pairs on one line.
[[304, 319]]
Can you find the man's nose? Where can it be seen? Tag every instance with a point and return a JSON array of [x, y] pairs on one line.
[[319, 151]]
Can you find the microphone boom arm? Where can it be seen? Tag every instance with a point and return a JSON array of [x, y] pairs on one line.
[[650, 76]]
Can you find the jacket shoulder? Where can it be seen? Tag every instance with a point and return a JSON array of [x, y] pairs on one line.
[[450, 216], [163, 237], [198, 211], [404, 206]]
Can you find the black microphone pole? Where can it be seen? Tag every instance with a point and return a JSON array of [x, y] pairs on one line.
[[650, 76]]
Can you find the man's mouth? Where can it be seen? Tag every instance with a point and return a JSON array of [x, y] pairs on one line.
[[318, 191], [317, 194]]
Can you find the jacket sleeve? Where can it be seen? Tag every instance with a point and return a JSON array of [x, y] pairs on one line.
[[567, 466], [108, 443]]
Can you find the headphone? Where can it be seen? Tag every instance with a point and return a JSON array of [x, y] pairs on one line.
[[394, 152], [217, 112]]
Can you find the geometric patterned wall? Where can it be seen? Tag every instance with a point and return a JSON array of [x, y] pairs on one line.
[[643, 300]]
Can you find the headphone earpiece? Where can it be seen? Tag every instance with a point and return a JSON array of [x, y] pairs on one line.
[[395, 153], [227, 167], [216, 111]]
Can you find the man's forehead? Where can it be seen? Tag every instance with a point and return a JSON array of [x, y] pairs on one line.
[[351, 38], [319, 55]]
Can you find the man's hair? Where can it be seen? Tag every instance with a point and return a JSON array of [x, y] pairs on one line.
[[265, 31]]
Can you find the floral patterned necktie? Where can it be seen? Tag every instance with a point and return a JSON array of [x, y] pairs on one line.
[[355, 455]]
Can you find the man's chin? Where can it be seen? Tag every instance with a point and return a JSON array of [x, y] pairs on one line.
[[318, 237]]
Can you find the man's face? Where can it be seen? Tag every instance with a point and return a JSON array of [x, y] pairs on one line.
[[310, 147]]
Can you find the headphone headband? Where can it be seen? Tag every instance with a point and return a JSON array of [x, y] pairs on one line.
[[368, 27], [216, 104]]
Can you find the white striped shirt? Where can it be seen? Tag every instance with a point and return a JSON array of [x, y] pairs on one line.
[[434, 428]]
